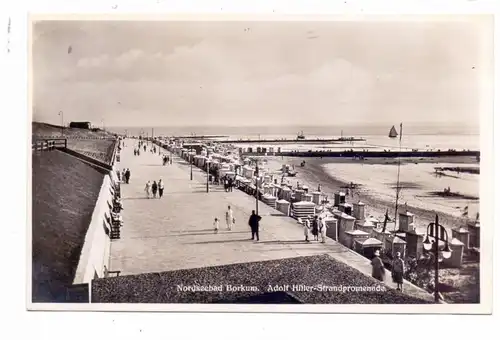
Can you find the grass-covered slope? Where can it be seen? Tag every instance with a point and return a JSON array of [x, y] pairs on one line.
[[64, 193], [87, 142]]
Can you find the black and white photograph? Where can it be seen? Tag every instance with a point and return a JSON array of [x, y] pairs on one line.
[[252, 162]]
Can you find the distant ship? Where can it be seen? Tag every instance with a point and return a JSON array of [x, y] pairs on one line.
[[301, 135], [393, 133]]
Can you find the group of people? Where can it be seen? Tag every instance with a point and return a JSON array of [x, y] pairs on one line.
[[253, 222], [230, 220], [315, 226], [140, 145], [154, 190], [398, 269], [123, 176], [228, 183], [167, 160]]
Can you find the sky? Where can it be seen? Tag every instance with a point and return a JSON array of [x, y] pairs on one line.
[[255, 73]]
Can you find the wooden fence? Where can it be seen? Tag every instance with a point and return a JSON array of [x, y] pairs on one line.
[[78, 137], [49, 144]]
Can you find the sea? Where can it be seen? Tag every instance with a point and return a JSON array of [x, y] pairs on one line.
[[429, 136], [377, 180]]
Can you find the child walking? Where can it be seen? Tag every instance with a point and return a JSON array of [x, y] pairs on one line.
[[216, 225]]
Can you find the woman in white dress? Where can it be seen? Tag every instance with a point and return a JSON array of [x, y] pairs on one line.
[[307, 227], [322, 229], [147, 189], [229, 218]]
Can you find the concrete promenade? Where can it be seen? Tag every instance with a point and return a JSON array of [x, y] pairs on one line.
[[176, 231]]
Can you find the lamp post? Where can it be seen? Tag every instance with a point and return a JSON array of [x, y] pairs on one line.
[[208, 174], [257, 188], [62, 122], [191, 161], [438, 233]]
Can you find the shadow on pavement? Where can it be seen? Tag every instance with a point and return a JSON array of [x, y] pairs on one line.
[[211, 232], [286, 242], [222, 241]]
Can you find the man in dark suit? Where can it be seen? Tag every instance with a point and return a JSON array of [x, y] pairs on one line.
[[253, 222]]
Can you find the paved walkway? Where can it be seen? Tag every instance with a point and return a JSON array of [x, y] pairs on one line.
[[176, 231]]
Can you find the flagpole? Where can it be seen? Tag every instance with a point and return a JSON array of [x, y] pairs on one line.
[[397, 184]]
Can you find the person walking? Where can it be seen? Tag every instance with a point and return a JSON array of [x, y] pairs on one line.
[[147, 189], [154, 188], [160, 188], [315, 228], [229, 218], [378, 269], [253, 222], [322, 229], [127, 175], [307, 227], [398, 270], [216, 225]]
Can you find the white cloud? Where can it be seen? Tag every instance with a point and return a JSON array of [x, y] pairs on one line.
[[93, 62], [265, 75]]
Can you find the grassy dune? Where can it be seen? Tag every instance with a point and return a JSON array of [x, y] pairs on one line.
[[64, 193], [84, 141]]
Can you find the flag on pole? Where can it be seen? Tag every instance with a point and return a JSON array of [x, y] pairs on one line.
[[465, 212], [400, 131], [386, 219]]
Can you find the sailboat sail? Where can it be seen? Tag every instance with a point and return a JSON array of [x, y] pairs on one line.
[[393, 133]]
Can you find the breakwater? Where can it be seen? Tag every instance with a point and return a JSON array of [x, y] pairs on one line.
[[200, 137], [288, 141], [368, 154], [459, 169]]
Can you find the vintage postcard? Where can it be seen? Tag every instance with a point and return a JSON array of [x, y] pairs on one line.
[[239, 163]]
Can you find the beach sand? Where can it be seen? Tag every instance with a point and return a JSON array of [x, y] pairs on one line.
[[314, 173], [458, 285]]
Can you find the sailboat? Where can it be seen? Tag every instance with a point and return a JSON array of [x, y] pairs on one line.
[[393, 133], [301, 135]]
